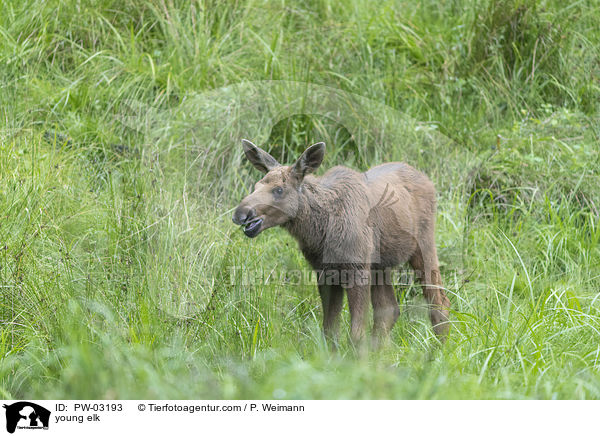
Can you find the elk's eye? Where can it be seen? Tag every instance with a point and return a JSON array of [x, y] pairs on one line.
[[278, 191]]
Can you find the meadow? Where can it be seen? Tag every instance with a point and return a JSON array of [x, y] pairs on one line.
[[122, 275]]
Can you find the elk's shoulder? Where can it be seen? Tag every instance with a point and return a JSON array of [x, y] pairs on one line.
[[341, 176]]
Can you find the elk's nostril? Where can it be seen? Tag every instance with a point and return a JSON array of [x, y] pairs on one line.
[[239, 217], [242, 216]]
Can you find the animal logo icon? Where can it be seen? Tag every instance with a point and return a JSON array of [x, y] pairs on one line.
[[25, 414]]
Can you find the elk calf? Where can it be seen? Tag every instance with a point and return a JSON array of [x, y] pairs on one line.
[[351, 227]]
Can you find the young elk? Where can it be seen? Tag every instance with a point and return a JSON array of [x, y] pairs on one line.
[[353, 228]]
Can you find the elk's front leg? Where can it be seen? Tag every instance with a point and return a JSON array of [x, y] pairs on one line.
[[332, 299], [385, 312], [358, 303]]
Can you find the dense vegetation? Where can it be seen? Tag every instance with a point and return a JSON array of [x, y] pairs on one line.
[[122, 276]]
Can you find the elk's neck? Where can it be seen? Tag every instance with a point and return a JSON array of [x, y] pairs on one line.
[[309, 226]]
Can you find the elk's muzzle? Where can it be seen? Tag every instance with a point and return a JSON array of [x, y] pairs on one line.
[[246, 217]]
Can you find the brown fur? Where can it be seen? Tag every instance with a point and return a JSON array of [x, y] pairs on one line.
[[351, 226]]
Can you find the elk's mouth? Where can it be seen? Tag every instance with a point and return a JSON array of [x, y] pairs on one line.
[[252, 228]]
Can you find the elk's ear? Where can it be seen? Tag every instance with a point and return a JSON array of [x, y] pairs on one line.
[[310, 160], [261, 160]]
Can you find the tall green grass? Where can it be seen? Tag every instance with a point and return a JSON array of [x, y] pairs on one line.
[[121, 274]]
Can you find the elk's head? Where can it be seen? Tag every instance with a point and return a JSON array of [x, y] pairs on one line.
[[276, 196]]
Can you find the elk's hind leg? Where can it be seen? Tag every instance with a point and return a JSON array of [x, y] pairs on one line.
[[425, 264]]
